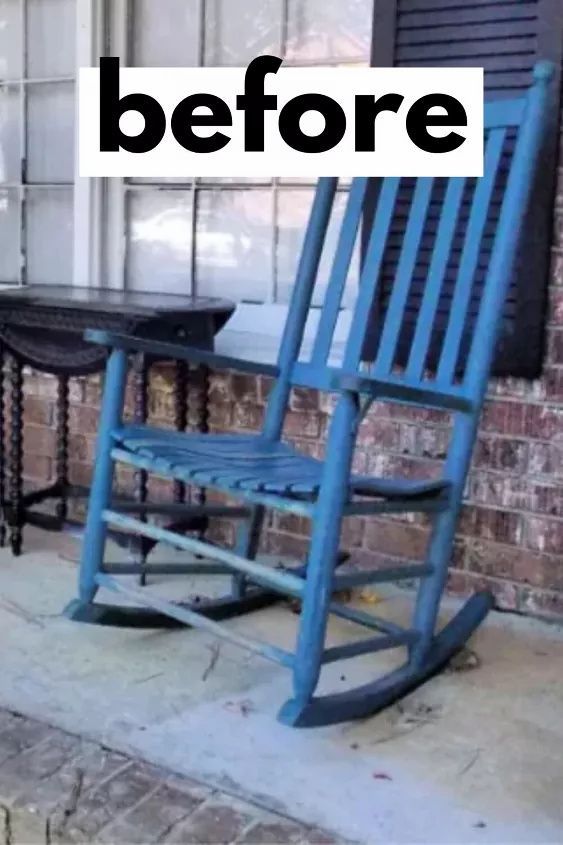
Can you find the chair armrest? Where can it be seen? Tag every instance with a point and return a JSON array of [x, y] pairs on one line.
[[399, 390], [177, 352]]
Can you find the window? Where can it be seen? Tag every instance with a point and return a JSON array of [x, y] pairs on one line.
[[234, 238], [37, 72]]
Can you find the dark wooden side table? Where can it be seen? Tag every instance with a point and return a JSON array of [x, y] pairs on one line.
[[42, 327]]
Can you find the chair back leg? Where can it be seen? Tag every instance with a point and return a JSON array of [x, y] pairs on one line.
[[100, 494], [323, 554], [441, 543]]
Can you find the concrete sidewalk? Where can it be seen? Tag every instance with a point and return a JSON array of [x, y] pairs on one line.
[[473, 756]]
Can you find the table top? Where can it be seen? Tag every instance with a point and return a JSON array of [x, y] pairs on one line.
[[127, 303]]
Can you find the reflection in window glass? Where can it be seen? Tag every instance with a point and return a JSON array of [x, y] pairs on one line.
[[159, 241], [9, 236], [165, 32], [51, 132], [11, 52], [329, 30], [234, 244], [235, 33], [294, 207], [49, 233], [10, 140], [51, 26]]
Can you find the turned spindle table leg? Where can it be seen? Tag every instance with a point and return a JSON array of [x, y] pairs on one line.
[[141, 380], [16, 455], [62, 424], [201, 407], [180, 416], [2, 453]]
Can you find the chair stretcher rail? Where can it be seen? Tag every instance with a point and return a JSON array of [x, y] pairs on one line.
[[196, 620], [368, 646], [274, 579]]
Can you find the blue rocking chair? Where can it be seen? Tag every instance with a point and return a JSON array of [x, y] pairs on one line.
[[448, 220]]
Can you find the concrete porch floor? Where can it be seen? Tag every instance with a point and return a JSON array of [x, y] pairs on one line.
[[473, 756]]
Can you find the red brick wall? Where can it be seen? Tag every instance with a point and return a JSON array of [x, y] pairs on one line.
[[511, 532]]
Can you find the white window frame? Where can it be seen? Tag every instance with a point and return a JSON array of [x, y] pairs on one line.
[[88, 192]]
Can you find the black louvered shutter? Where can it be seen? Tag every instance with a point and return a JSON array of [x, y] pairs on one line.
[[506, 37]]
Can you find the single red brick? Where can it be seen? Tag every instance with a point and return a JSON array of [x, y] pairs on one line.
[[81, 449], [556, 273], [291, 524], [545, 534], [302, 424], [84, 419], [303, 399], [543, 603], [80, 473], [39, 440], [265, 387], [555, 315], [491, 524], [221, 415], [247, 417], [542, 422], [501, 453], [37, 468], [278, 543], [396, 538], [244, 388], [381, 432], [554, 384], [92, 390], [555, 347], [546, 459]]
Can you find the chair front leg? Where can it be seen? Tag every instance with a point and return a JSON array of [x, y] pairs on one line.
[[323, 556], [93, 544]]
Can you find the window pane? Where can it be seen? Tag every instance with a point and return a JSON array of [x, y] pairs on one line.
[[165, 33], [329, 29], [51, 132], [10, 231], [49, 234], [51, 38], [234, 244], [10, 142], [235, 33], [159, 241], [11, 51], [294, 207]]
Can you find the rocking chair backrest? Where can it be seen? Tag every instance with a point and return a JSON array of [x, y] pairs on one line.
[[447, 222]]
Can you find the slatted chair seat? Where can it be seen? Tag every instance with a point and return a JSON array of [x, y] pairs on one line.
[[454, 244], [249, 462]]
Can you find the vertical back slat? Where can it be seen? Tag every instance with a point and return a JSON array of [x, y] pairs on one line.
[[300, 302], [516, 200], [370, 276], [435, 277], [470, 257], [403, 279], [340, 268]]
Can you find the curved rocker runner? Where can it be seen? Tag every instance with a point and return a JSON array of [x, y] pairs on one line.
[[444, 224]]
